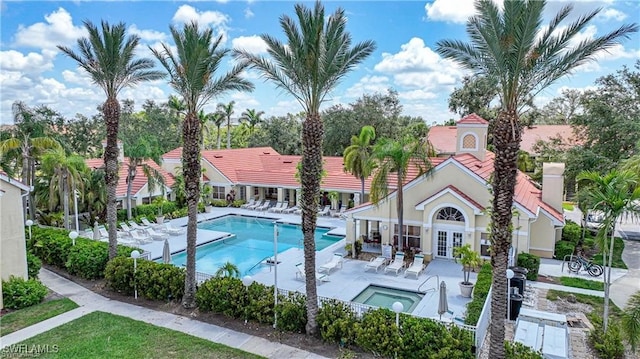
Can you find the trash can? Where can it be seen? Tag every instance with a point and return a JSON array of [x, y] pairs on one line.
[[521, 270], [515, 301], [518, 281]]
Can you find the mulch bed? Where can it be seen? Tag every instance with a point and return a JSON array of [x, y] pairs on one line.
[[312, 344]]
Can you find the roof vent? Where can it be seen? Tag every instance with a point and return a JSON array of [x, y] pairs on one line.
[[217, 156], [287, 161], [266, 153]]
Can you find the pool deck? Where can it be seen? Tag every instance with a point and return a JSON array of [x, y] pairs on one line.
[[344, 283]]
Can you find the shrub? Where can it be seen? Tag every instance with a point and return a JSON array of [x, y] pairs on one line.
[[33, 265], [517, 350], [564, 248], [88, 259], [531, 262], [18, 293], [571, 232], [260, 307], [118, 275], [182, 212], [51, 245], [292, 312], [218, 203], [607, 344], [379, 334], [224, 295], [480, 292], [155, 281], [337, 322], [148, 210], [426, 338], [238, 202]]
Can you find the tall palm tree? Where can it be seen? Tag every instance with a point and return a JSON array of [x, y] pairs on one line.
[[615, 195], [28, 141], [630, 322], [227, 110], [217, 119], [65, 174], [108, 56], [138, 155], [396, 157], [252, 118], [358, 156], [317, 55], [512, 47], [193, 75]]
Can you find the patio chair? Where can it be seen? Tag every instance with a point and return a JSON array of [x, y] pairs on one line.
[[146, 222], [264, 207], [104, 234], [340, 213], [334, 263], [276, 207], [285, 205], [141, 238], [324, 211], [171, 230], [157, 236], [416, 267], [255, 205], [375, 263], [125, 227], [300, 274], [251, 202], [397, 265], [135, 225], [290, 209]]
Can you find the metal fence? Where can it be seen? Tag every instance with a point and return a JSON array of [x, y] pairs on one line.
[[483, 322]]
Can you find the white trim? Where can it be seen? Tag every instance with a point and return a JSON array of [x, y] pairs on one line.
[[15, 183], [420, 206], [541, 249], [171, 160], [443, 205], [461, 142], [472, 125], [555, 222], [449, 229]]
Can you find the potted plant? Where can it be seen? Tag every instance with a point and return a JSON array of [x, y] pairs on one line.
[[469, 260], [159, 202], [205, 193], [333, 197]]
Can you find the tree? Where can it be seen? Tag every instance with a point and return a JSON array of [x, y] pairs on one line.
[[358, 156], [109, 59], [217, 118], [252, 118], [475, 96], [193, 74], [227, 110], [396, 157], [317, 55], [562, 109], [630, 322], [511, 47], [139, 153], [615, 195], [282, 133]]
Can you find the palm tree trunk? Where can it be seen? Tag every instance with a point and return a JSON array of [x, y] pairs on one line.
[[65, 199], [312, 132], [400, 210], [32, 197], [218, 141], [129, 185], [362, 189], [607, 278], [507, 135], [191, 172], [111, 113], [25, 178], [229, 133]]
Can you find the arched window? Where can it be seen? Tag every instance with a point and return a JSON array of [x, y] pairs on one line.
[[469, 141], [450, 214]]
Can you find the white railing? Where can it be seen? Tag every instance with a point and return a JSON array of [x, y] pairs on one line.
[[483, 323], [201, 277]]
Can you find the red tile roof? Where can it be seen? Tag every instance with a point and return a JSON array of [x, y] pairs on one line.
[[459, 193], [473, 119], [138, 182]]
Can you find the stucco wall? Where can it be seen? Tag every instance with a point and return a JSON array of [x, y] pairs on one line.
[[543, 237], [13, 251]]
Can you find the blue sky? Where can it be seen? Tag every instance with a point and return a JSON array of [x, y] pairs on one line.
[[34, 71]]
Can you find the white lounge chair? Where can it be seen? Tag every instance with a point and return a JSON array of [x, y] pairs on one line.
[[334, 263], [285, 205], [264, 207], [125, 227], [397, 265], [104, 234], [146, 222], [157, 235], [251, 202], [416, 267], [300, 274], [174, 231], [141, 238], [325, 211], [255, 205], [291, 209], [376, 263], [135, 225], [340, 213], [276, 207]]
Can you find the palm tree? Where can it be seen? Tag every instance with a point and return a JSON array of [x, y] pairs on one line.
[[108, 57], [192, 72], [227, 110], [512, 47], [357, 157], [630, 322], [252, 118], [138, 155], [28, 142], [396, 157], [317, 55], [615, 195], [65, 178], [218, 119], [228, 270]]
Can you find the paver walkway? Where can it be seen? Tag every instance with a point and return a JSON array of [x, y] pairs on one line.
[[90, 301]]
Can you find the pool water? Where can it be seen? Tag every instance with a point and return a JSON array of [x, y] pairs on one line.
[[384, 297], [251, 243]]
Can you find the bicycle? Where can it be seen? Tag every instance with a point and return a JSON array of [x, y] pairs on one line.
[[578, 263]]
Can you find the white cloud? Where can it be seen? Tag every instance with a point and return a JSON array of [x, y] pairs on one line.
[[58, 30], [368, 84], [32, 62], [612, 14], [253, 44], [147, 35], [186, 14], [458, 11], [248, 14], [416, 95], [282, 108]]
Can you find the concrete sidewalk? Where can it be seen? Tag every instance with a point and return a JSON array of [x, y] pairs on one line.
[[90, 301]]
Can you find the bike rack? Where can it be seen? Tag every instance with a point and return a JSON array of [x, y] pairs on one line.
[[564, 260]]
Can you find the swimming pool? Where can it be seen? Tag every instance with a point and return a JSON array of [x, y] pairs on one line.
[[385, 297], [252, 242]]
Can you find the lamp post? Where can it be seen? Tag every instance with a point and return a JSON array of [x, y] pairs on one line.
[[510, 275], [398, 308], [135, 254], [75, 206], [246, 282], [29, 223], [275, 274], [73, 235]]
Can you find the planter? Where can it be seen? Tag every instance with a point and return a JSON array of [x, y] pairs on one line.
[[466, 289], [159, 219], [208, 209]]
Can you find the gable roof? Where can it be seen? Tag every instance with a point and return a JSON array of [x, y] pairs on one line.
[[14, 182], [472, 119], [138, 182]]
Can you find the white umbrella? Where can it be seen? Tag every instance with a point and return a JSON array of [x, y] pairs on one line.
[[443, 306], [166, 253], [96, 231]]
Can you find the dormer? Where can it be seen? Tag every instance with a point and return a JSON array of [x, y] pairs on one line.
[[471, 136]]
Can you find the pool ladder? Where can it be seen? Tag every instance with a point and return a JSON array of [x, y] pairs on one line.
[[430, 289], [257, 264]]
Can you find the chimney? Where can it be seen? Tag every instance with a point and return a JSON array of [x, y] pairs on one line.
[[471, 136], [553, 184]]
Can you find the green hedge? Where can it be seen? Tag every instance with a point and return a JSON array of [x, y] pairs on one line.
[[517, 350], [564, 248], [337, 322], [18, 293], [531, 262], [571, 232], [426, 338], [378, 333], [148, 210], [33, 265], [480, 292], [155, 281]]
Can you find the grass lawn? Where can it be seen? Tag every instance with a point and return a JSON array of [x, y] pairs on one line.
[[31, 315], [104, 335], [567, 206], [596, 303], [581, 283], [618, 247]]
